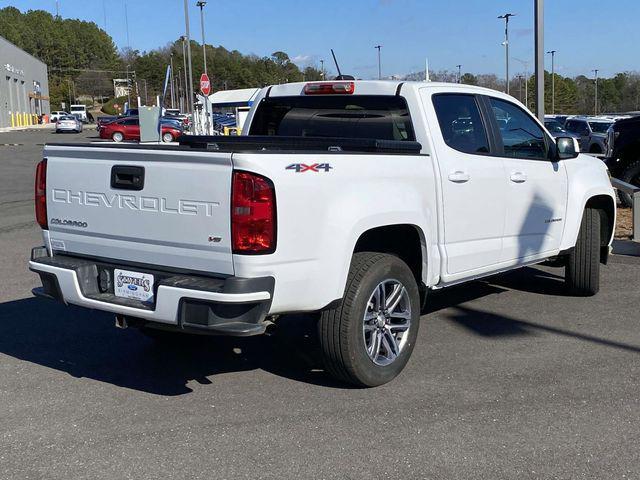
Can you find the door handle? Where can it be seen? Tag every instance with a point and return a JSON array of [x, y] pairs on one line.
[[127, 177], [459, 177], [518, 177]]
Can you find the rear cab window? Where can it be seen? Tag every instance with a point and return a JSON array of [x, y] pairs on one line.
[[461, 123], [381, 117]]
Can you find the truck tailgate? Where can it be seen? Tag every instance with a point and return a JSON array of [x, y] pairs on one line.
[[171, 209]]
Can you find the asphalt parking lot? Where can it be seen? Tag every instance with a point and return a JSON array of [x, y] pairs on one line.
[[509, 379]]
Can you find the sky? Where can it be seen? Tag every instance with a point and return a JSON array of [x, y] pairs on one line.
[[586, 34]]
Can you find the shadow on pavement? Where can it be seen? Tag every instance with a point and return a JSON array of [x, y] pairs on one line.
[[85, 343], [488, 324]]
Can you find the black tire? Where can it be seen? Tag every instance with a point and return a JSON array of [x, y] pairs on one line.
[[631, 175], [582, 273], [341, 330]]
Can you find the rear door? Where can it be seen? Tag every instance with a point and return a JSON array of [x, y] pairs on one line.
[[176, 214], [536, 187], [473, 190]]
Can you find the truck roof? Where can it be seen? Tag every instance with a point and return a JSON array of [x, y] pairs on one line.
[[375, 87]]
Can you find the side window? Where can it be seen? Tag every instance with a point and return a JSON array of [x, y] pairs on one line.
[[521, 136], [460, 122], [130, 121], [570, 126]]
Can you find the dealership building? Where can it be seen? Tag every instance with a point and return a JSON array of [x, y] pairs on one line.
[[24, 87]]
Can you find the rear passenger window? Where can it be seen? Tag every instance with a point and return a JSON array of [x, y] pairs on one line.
[[521, 136], [460, 122]]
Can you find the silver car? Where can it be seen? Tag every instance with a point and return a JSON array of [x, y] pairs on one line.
[[68, 123]]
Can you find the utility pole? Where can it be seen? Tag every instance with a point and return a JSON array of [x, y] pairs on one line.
[[188, 39], [201, 4], [459, 73], [185, 90], [520, 87], [553, 81], [173, 98], [506, 17], [128, 89], [126, 22], [595, 108], [322, 75], [539, 57], [426, 69], [379, 62], [146, 96]]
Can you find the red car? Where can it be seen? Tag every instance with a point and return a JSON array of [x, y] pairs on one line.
[[128, 128]]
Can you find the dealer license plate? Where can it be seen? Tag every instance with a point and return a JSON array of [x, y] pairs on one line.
[[135, 285]]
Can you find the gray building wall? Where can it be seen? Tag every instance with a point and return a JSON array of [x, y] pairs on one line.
[[22, 77]]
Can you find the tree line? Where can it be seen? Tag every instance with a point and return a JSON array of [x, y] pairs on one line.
[[83, 60]]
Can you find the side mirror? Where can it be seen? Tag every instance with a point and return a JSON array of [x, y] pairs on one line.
[[565, 148]]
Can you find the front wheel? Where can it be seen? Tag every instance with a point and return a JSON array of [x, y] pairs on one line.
[[368, 339], [582, 272]]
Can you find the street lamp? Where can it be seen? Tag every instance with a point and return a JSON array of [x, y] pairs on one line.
[[188, 40], [378, 47], [506, 17], [185, 90], [553, 83], [459, 73], [201, 4], [595, 109], [322, 70]]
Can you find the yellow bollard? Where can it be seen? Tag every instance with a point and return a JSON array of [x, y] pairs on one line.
[[13, 122], [19, 117]]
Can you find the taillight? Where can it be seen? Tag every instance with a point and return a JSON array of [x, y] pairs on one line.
[[330, 88], [41, 194], [253, 214]]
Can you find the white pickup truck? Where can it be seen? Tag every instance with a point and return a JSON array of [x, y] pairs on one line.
[[350, 199]]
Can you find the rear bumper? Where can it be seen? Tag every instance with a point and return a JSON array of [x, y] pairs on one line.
[[224, 306]]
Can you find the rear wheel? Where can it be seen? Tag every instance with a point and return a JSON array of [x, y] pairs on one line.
[[117, 137], [368, 339], [631, 175], [582, 273], [167, 137]]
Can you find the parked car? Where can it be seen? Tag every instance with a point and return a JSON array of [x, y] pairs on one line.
[[623, 153], [68, 123], [103, 120], [80, 111], [128, 128], [56, 115], [592, 133], [376, 199]]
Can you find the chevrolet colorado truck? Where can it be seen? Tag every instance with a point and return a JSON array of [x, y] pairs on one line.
[[349, 199]]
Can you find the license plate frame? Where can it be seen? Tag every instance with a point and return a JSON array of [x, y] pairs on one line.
[[133, 285]]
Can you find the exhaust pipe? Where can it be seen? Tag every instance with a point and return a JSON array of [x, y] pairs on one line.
[[121, 322]]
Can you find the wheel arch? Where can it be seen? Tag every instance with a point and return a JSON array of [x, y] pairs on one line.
[[405, 240]]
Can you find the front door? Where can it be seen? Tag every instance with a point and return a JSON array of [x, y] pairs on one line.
[[536, 187], [473, 191]]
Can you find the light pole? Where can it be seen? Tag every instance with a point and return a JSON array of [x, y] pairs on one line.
[[185, 89], [553, 82], [188, 39], [322, 69], [128, 89], [595, 109], [379, 47], [539, 57], [173, 97], [146, 96], [506, 17], [201, 4], [459, 73]]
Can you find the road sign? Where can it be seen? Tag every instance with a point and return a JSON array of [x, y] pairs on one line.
[[205, 85]]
